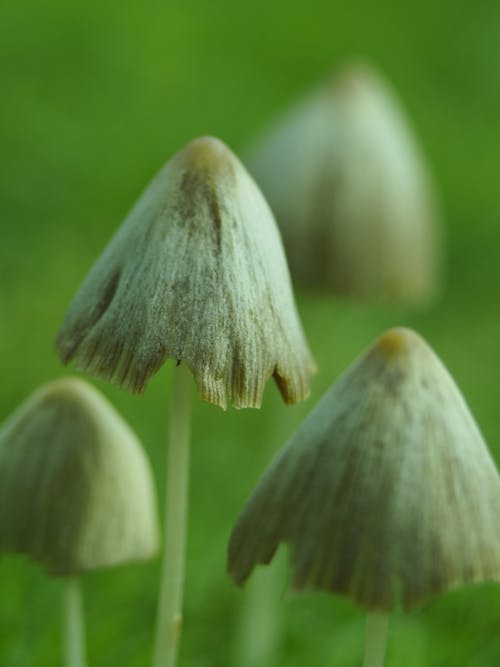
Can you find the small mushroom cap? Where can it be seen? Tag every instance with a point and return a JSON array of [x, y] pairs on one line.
[[351, 191], [76, 489], [387, 492], [197, 273]]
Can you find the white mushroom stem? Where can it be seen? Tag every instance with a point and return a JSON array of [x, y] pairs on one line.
[[169, 619], [376, 639], [73, 624], [261, 623]]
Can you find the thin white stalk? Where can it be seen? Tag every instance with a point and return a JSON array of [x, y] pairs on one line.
[[260, 633], [376, 639], [259, 637], [169, 619], [73, 624]]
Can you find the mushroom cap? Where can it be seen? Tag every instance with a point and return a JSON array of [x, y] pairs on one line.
[[76, 488], [346, 179], [387, 493], [197, 273]]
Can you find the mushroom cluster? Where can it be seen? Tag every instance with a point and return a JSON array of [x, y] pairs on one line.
[[387, 492]]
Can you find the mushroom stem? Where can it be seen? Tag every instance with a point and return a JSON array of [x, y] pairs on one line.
[[260, 632], [169, 618], [73, 624], [376, 639]]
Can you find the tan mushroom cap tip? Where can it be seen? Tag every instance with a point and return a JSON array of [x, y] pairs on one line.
[[206, 148], [352, 73], [70, 386], [396, 341], [207, 155]]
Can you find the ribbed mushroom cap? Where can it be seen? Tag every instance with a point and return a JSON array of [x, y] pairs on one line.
[[196, 273], [387, 492], [345, 177], [76, 489]]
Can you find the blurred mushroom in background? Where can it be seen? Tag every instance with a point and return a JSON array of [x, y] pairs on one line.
[[347, 181]]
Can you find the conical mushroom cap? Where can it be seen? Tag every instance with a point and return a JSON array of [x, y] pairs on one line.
[[197, 273], [386, 493], [76, 489], [346, 179]]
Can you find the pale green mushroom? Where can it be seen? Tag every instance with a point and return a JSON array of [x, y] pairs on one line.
[[76, 491], [387, 493], [196, 273], [346, 178]]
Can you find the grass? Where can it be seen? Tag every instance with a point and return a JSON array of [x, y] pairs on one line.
[[96, 96]]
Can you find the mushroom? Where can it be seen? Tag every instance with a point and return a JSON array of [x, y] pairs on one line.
[[351, 192], [196, 273], [386, 494], [76, 491]]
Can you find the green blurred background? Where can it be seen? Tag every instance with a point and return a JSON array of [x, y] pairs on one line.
[[95, 97]]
